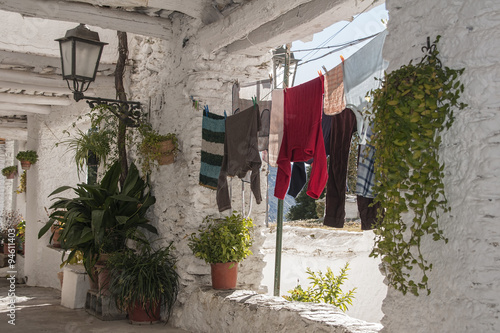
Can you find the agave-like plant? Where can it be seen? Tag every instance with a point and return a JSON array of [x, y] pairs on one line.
[[144, 278], [102, 217]]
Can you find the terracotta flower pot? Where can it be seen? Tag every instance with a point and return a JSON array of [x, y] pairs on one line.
[[224, 275], [57, 233], [94, 280], [103, 279], [6, 248], [167, 157], [12, 175], [136, 314], [25, 165]]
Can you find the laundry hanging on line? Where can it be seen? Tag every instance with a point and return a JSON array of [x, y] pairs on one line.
[[241, 154], [244, 95], [361, 73], [302, 137], [212, 148]]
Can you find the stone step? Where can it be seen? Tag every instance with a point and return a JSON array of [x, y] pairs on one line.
[[102, 306]]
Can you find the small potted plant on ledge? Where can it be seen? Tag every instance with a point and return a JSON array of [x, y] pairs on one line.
[[223, 243], [21, 236], [143, 281], [10, 172], [27, 158]]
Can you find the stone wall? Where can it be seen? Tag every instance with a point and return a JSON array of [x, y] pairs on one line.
[[246, 311], [465, 284], [166, 74], [55, 168]]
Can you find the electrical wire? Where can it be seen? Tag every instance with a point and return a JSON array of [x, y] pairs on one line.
[[337, 49], [353, 42], [335, 35]]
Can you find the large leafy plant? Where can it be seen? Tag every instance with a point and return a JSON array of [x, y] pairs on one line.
[[411, 109], [101, 218], [223, 240], [147, 277]]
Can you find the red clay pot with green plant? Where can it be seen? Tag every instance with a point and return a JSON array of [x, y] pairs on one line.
[[223, 243]]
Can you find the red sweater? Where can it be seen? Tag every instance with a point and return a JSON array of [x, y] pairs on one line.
[[303, 137]]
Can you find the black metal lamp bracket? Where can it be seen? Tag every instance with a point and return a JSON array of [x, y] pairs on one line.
[[127, 111]]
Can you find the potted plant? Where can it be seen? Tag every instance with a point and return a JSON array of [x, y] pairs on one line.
[[101, 218], [21, 237], [10, 172], [223, 243], [56, 229], [27, 158], [8, 231], [143, 281], [157, 147]]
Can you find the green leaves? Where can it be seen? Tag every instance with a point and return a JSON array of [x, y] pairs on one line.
[[100, 218], [223, 240], [147, 276], [324, 289], [411, 109]]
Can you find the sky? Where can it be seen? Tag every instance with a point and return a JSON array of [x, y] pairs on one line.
[[363, 25]]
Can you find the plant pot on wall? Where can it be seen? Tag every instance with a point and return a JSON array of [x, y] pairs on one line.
[[56, 231], [27, 158], [10, 172], [25, 165], [233, 232], [167, 155], [224, 276]]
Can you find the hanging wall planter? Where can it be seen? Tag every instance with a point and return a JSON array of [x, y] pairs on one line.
[[10, 172], [157, 148], [27, 158], [411, 110], [167, 152]]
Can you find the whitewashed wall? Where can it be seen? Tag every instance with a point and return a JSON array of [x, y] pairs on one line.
[[465, 281], [55, 168], [165, 75]]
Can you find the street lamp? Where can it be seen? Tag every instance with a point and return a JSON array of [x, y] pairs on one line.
[[81, 51]]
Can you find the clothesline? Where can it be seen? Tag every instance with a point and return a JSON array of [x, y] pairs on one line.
[[338, 32], [340, 48], [353, 42]]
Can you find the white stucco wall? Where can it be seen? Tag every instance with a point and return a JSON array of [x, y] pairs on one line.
[[55, 168], [465, 281], [165, 75]]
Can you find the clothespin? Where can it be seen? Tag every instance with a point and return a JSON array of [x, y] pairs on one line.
[[205, 108], [225, 114], [254, 100], [342, 58], [320, 73], [324, 68]]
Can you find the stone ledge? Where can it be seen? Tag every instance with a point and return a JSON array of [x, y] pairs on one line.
[[209, 310]]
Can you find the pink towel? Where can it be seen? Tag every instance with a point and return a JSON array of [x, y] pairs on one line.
[[276, 126]]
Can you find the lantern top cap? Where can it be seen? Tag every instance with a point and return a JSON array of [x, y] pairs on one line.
[[82, 32]]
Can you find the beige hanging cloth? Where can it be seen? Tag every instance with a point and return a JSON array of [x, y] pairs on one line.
[[334, 101]]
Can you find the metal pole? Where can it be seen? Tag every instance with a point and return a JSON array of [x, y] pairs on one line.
[[279, 224], [279, 237]]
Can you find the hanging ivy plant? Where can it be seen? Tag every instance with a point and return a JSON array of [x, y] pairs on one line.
[[410, 110]]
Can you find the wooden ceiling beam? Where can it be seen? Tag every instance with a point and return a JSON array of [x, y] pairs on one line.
[[32, 99], [40, 63], [20, 134], [13, 123], [103, 17], [13, 109]]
